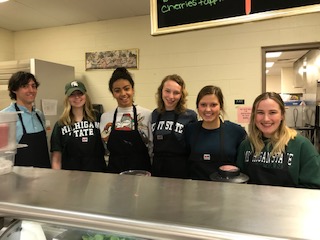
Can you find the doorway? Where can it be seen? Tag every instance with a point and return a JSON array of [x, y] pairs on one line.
[[294, 72], [291, 53]]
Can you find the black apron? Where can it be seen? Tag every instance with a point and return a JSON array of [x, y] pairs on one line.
[[84, 153], [202, 165], [127, 150], [170, 158], [259, 174], [36, 154]]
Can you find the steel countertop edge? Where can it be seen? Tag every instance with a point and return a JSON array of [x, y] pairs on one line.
[[163, 208]]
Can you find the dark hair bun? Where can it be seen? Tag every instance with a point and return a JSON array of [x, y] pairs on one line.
[[120, 73], [121, 69]]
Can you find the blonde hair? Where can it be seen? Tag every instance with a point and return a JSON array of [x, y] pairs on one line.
[[280, 138], [67, 117]]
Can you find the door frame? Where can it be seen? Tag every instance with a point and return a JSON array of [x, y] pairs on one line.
[[282, 48]]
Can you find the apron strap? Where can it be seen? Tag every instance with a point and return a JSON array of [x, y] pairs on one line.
[[114, 119], [135, 117], [20, 117], [222, 150]]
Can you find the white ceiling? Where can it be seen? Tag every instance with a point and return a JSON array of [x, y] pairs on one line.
[[286, 59], [18, 15]]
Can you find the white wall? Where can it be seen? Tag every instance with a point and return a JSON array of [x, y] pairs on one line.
[[274, 84], [228, 56]]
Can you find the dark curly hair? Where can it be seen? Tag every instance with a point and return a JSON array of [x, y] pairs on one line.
[[20, 79], [120, 73]]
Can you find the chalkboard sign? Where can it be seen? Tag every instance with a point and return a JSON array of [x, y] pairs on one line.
[[169, 16]]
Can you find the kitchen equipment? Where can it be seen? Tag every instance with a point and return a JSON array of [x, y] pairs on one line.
[[229, 173], [8, 144], [6, 161], [165, 208], [8, 122], [294, 115]]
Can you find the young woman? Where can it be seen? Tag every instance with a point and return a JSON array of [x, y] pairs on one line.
[[212, 141], [76, 141], [126, 130], [274, 154], [168, 126]]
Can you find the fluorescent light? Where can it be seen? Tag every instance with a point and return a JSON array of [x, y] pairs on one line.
[[267, 71], [269, 64], [2, 1], [273, 54]]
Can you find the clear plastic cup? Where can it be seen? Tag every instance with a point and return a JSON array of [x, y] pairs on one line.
[[7, 161], [8, 127]]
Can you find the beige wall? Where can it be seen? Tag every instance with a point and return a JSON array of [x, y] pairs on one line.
[[274, 84], [6, 53], [228, 56], [6, 45]]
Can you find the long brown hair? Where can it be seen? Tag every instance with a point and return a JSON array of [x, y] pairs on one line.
[[182, 104], [281, 137]]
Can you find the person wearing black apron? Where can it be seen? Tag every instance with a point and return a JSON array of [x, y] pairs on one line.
[[212, 142], [127, 150], [202, 164], [274, 154], [75, 140], [23, 87], [126, 130], [36, 152], [169, 159], [168, 122]]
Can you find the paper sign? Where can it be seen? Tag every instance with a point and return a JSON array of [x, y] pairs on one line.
[[244, 114], [49, 107]]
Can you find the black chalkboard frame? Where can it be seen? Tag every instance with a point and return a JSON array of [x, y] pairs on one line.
[[157, 30]]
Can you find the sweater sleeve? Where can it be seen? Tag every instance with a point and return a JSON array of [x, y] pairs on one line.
[[309, 175], [56, 141]]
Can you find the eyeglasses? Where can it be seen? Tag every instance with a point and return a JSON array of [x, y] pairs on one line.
[[76, 94]]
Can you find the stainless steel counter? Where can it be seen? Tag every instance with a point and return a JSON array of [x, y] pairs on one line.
[[160, 208]]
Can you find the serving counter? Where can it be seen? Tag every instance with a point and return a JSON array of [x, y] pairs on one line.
[[159, 208]]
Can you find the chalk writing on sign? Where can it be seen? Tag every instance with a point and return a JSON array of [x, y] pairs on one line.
[[167, 7]]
